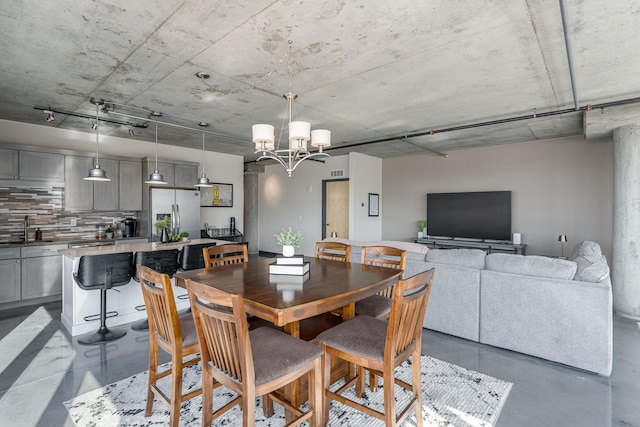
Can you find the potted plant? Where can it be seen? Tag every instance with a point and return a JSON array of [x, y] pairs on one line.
[[162, 224], [289, 240], [184, 236], [109, 232], [421, 223]]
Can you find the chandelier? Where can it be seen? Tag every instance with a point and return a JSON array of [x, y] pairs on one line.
[[300, 134]]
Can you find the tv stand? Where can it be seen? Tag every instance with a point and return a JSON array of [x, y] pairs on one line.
[[488, 247]]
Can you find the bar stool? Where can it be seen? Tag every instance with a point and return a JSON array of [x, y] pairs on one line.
[[163, 262], [191, 257], [103, 272]]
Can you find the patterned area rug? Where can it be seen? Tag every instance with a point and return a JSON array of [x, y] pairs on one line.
[[451, 396]]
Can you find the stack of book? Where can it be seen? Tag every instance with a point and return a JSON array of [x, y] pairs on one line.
[[292, 265]]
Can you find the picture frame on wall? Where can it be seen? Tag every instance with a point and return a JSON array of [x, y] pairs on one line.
[[374, 204], [218, 196]]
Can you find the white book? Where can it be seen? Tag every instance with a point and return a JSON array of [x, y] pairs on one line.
[[288, 281], [296, 270], [290, 260]]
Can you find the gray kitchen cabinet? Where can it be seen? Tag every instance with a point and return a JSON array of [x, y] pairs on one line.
[[39, 166], [177, 174], [105, 193], [41, 271], [130, 183], [8, 164], [185, 175], [31, 165], [10, 284], [78, 193]]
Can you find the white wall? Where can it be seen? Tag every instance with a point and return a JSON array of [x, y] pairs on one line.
[[561, 186], [365, 178], [225, 168], [294, 202]]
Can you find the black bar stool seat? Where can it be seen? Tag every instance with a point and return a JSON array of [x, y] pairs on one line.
[[191, 257], [103, 272]]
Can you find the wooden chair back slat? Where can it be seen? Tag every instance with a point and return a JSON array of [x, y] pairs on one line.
[[159, 301], [384, 256], [407, 314], [219, 255], [335, 251]]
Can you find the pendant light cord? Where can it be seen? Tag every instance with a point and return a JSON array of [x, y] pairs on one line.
[[156, 146], [97, 135]]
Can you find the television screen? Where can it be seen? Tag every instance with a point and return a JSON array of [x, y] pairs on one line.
[[477, 215]]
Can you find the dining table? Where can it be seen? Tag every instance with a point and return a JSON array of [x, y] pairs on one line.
[[329, 286]]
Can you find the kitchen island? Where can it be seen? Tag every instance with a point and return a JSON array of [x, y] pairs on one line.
[[78, 303]]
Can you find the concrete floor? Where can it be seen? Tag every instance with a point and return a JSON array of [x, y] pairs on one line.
[[41, 366]]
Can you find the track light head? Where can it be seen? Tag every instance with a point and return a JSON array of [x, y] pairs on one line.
[[50, 117]]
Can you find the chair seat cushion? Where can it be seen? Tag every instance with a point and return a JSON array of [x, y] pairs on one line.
[[188, 329], [377, 306], [362, 336], [275, 353]]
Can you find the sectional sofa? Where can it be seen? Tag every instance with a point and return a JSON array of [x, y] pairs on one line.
[[555, 309]]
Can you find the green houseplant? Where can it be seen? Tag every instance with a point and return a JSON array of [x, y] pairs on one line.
[[161, 224], [421, 224], [184, 236], [289, 240]]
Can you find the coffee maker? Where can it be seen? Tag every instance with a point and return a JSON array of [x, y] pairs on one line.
[[129, 227]]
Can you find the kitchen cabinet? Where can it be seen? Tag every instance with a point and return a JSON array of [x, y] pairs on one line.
[[130, 184], [41, 271], [105, 193], [31, 165], [177, 174], [82, 195], [10, 264], [8, 164], [78, 193]]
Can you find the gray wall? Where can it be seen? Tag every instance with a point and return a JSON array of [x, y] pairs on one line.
[[561, 186]]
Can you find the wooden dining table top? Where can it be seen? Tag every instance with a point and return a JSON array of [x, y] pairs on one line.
[[331, 285]]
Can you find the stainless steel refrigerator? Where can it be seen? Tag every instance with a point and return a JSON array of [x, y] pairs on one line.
[[181, 205]]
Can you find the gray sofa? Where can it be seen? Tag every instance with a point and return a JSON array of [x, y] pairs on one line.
[[555, 309]]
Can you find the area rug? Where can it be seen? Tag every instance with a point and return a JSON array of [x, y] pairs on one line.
[[451, 396]]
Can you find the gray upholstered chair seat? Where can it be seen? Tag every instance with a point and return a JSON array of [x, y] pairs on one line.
[[275, 353], [363, 336], [377, 306]]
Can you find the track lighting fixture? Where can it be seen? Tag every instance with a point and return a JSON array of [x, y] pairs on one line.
[[131, 131], [50, 117], [94, 125]]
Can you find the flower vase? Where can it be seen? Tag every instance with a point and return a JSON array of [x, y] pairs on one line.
[[288, 250]]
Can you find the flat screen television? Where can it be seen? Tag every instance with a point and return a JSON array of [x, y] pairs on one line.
[[476, 215]]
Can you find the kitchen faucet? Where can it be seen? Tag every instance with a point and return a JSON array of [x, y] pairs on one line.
[[27, 224]]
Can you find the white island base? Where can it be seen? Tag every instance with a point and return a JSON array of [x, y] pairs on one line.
[[78, 303]]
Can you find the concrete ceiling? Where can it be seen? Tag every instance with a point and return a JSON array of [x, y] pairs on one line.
[[380, 75]]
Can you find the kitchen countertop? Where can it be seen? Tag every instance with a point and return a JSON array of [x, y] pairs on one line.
[[62, 242], [135, 247]]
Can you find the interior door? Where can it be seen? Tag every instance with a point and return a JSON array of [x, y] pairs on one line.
[[335, 208]]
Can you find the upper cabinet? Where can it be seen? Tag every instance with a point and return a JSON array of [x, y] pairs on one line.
[[122, 193], [31, 165], [177, 174]]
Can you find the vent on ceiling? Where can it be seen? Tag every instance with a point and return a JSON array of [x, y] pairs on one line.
[[337, 173]]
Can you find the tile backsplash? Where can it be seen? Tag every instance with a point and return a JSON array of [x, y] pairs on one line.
[[44, 206]]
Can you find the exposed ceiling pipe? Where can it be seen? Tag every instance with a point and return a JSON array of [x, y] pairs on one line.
[[567, 43]]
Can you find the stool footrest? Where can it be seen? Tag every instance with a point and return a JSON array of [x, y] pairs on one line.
[[140, 307], [185, 296], [97, 316]]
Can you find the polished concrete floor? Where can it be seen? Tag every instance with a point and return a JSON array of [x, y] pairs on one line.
[[41, 367]]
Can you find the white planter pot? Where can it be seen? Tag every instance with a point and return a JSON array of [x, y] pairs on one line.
[[288, 250], [420, 234]]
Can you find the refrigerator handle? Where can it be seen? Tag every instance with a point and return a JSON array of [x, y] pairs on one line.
[[177, 219], [173, 220]]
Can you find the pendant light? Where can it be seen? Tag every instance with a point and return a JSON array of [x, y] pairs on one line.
[[203, 181], [156, 177], [97, 174]]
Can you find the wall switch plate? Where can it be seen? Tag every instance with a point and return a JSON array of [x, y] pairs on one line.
[[74, 222]]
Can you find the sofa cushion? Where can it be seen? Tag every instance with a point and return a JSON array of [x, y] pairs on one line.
[[591, 268], [473, 258], [532, 265], [586, 247]]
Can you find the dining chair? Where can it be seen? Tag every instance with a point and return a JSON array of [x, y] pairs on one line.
[[379, 347], [333, 251], [172, 333], [379, 305], [250, 363], [219, 255]]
